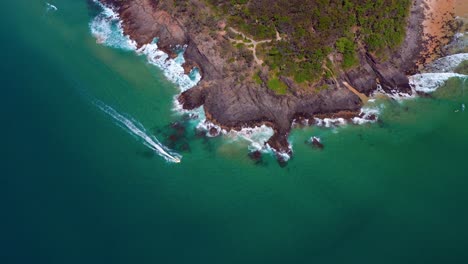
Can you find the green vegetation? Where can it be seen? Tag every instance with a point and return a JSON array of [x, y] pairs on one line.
[[257, 78], [462, 68], [278, 86], [310, 28], [348, 49]]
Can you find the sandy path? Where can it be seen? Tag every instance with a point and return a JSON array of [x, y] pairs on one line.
[[253, 43], [361, 96]]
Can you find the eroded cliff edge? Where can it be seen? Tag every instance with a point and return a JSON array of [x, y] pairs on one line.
[[229, 92]]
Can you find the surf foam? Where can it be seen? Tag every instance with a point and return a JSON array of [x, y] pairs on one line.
[[255, 136], [330, 122], [367, 115], [448, 63], [172, 68], [106, 27], [136, 129], [429, 82]]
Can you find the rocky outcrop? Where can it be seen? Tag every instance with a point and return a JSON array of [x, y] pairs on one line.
[[232, 100], [143, 22], [372, 73]]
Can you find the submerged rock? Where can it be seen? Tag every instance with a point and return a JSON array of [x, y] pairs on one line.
[[256, 156], [316, 143]]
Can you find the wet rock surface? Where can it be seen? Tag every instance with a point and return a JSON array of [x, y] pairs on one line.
[[315, 142]]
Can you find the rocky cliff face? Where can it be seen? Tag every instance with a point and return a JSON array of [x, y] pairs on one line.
[[233, 100]]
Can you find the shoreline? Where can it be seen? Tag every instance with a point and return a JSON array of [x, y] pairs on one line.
[[261, 107]]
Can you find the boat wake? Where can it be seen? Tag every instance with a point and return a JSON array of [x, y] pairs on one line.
[[50, 7], [136, 129]]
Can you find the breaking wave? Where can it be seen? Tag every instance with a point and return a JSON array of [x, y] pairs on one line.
[[255, 136], [429, 82], [136, 129], [106, 27], [172, 68], [448, 63], [438, 73]]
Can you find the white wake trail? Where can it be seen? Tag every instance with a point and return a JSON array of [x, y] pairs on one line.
[[51, 7], [136, 129]]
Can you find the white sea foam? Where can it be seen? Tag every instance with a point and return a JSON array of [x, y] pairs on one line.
[[283, 155], [172, 68], [314, 138], [448, 63], [439, 72], [429, 82], [107, 29], [137, 130], [394, 94], [256, 136], [369, 114], [208, 128], [330, 122]]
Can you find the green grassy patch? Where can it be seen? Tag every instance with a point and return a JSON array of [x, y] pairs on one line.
[[277, 85]]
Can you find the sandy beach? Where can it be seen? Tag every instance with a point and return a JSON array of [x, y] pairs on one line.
[[436, 25], [461, 8]]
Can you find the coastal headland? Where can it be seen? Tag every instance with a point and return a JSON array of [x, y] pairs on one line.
[[242, 84]]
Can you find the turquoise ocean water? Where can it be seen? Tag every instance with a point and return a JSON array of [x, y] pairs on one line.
[[78, 187]]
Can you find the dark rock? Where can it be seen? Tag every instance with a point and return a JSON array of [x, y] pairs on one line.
[[255, 155], [316, 143], [214, 132]]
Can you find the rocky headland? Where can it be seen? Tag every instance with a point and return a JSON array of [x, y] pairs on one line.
[[234, 91]]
